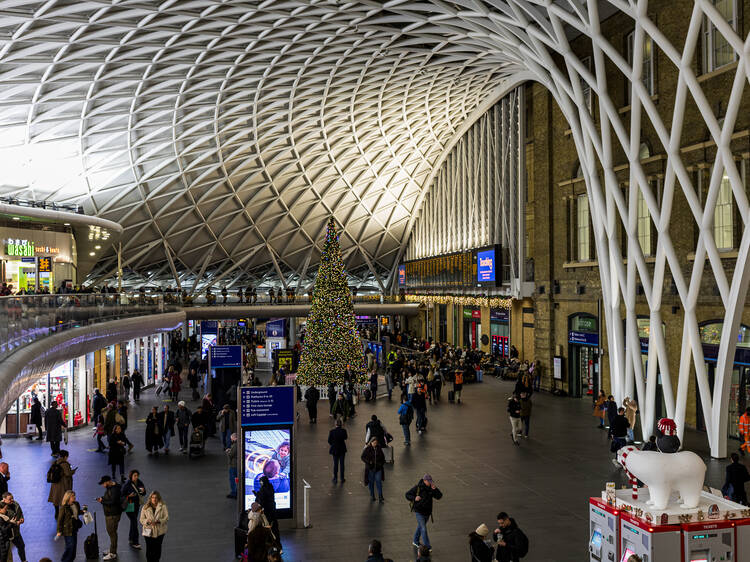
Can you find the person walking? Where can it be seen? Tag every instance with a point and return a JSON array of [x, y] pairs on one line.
[[266, 497], [68, 524], [175, 385], [337, 440], [126, 383], [458, 384], [154, 433], [111, 391], [478, 548], [4, 477], [512, 544], [137, 380], [15, 518], [231, 453], [514, 412], [744, 431], [419, 403], [631, 409], [131, 493], [737, 475], [112, 505], [611, 408], [374, 460], [421, 498], [312, 395], [183, 418], [54, 425], [405, 416], [619, 429], [116, 454], [375, 429], [154, 516], [341, 407], [600, 408], [227, 424], [60, 476], [166, 421], [525, 413], [36, 417]]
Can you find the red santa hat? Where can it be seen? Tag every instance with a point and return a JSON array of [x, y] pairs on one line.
[[667, 426]]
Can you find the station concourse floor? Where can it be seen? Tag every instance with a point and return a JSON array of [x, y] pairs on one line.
[[544, 483]]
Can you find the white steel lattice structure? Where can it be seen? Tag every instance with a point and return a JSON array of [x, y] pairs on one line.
[[222, 134]]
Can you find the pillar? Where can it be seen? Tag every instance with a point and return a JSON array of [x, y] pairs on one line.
[[485, 322], [449, 311]]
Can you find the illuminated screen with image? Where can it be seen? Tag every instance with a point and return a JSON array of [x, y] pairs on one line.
[[269, 452], [627, 554], [207, 340]]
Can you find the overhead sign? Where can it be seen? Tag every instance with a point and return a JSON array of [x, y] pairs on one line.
[[583, 338], [402, 276], [225, 356], [486, 266], [45, 265], [500, 314], [275, 328], [267, 405]]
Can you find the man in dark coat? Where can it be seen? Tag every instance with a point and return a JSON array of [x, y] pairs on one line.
[[111, 391], [137, 380], [98, 403], [737, 475], [36, 417], [619, 429], [53, 423], [611, 407], [337, 440], [420, 497], [312, 395], [4, 477], [266, 497], [512, 544]]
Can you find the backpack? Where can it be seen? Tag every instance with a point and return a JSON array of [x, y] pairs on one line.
[[405, 419], [521, 542], [459, 377], [55, 473]]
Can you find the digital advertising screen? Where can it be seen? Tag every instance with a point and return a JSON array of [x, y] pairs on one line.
[[402, 276], [486, 266], [627, 554], [209, 330], [268, 452]]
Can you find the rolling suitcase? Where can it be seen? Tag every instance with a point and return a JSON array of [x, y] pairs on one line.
[[451, 396], [388, 454], [91, 544]]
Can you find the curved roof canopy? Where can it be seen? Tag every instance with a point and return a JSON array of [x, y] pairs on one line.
[[222, 135]]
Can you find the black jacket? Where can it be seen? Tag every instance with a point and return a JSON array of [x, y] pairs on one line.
[[166, 421], [266, 497], [514, 408], [611, 406], [36, 413], [3, 484], [513, 538], [373, 458], [98, 403], [337, 440], [312, 395], [53, 423], [619, 426], [111, 501], [375, 429], [426, 495], [737, 475], [479, 550]]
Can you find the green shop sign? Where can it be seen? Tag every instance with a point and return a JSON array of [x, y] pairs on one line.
[[21, 248]]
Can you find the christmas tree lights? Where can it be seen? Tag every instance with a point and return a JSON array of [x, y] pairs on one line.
[[332, 341]]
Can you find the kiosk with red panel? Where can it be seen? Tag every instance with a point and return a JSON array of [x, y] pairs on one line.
[[709, 541], [604, 532], [742, 539], [653, 543]]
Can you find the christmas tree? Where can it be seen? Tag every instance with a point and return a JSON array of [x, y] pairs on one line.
[[331, 339]]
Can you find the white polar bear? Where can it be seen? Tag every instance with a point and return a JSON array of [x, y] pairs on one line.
[[662, 472]]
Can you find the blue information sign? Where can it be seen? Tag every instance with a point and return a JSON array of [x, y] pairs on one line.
[[583, 338], [225, 356], [275, 328], [267, 405], [486, 266]]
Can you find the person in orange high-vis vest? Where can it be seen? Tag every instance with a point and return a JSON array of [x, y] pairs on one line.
[[744, 427]]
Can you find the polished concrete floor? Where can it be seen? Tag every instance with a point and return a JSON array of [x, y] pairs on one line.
[[544, 483]]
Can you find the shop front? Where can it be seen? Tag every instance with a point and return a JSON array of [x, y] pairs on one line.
[[67, 385], [583, 343], [472, 327], [34, 260], [739, 389], [500, 331]]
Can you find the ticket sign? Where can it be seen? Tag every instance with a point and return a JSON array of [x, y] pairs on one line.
[[225, 356], [486, 266], [271, 405]]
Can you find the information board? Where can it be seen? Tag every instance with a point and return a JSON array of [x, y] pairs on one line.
[[225, 356], [486, 266], [269, 405]]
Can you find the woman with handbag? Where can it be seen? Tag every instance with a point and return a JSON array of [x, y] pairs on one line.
[[154, 517], [68, 525], [131, 494]]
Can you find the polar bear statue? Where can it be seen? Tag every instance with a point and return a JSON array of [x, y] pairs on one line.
[[662, 473]]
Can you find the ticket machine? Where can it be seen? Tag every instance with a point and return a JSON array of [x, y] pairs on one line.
[[742, 539], [709, 541], [604, 534], [653, 543]]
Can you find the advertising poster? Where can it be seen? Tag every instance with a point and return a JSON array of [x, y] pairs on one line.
[[209, 330], [268, 452], [486, 266]]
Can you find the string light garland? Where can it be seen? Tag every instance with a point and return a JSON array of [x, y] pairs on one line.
[[464, 300], [332, 342]]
